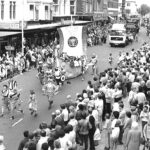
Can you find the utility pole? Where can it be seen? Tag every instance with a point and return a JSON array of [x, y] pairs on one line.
[[22, 27], [123, 8]]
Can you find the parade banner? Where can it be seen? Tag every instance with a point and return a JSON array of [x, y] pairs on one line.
[[73, 40]]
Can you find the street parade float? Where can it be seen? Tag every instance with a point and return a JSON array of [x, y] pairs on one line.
[[72, 51]]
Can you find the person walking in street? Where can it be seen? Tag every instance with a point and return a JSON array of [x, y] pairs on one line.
[[33, 103], [50, 90], [5, 102]]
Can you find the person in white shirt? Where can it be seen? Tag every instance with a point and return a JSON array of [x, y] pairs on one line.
[[73, 121], [65, 113], [141, 98], [99, 104], [64, 140], [114, 135], [43, 139], [71, 136]]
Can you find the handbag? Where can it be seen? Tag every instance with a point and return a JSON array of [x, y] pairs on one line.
[[97, 137]]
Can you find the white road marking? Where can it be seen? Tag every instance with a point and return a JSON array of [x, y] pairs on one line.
[[17, 122]]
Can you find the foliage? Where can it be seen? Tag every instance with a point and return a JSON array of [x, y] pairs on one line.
[[144, 9]]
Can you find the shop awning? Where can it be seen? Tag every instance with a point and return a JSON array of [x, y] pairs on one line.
[[6, 33], [111, 17], [54, 25]]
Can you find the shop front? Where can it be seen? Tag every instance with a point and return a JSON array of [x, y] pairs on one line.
[[100, 18]]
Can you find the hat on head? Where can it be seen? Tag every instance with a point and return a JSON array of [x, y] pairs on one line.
[[93, 55], [53, 113], [57, 112], [68, 96]]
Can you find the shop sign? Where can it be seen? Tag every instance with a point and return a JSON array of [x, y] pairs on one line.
[[67, 22], [9, 48], [18, 25], [24, 24], [99, 16], [9, 26]]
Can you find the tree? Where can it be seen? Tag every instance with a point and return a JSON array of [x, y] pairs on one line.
[[144, 9]]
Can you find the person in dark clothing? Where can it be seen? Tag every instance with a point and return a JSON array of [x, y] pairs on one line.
[[44, 146], [31, 140], [24, 141], [32, 146], [83, 129], [92, 130]]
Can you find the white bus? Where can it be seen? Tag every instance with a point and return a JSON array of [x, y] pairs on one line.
[[117, 35]]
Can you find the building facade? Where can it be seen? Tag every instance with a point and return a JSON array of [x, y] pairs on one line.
[[94, 9], [64, 7], [130, 7], [113, 6], [16, 10]]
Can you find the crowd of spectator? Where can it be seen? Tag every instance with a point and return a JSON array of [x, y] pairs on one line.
[[97, 34], [100, 108], [13, 64]]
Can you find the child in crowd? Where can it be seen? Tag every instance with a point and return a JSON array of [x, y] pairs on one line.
[[33, 103], [110, 59]]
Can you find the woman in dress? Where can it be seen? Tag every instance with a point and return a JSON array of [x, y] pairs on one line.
[[127, 127], [133, 137]]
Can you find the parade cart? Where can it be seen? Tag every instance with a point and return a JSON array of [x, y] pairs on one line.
[[72, 52]]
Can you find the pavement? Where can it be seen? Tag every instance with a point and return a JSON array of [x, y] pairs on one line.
[[12, 130]]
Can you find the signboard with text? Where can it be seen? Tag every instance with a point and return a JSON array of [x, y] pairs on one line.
[[99, 16], [14, 26]]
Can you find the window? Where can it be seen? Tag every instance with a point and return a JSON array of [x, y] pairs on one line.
[[31, 7], [10, 10], [46, 13], [72, 7], [128, 4], [31, 12], [14, 10], [56, 6], [2, 10], [37, 12], [112, 5], [128, 11]]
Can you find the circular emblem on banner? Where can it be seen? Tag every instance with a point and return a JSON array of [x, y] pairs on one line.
[[72, 41]]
